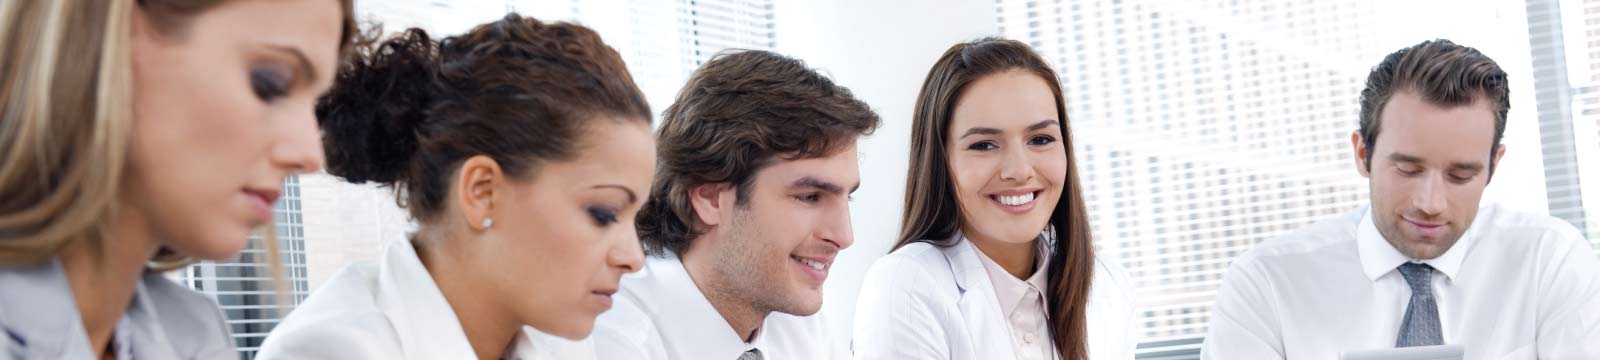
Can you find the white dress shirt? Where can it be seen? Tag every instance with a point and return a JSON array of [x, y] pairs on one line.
[[929, 302], [660, 314], [1023, 305], [392, 310], [1515, 286]]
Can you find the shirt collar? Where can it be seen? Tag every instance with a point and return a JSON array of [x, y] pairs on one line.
[[1378, 257], [687, 317], [426, 324], [138, 333], [1011, 291]]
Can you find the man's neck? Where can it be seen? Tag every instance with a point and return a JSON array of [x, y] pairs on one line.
[[743, 316]]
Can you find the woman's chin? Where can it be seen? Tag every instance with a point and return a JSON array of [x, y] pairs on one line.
[[1017, 232], [222, 245], [576, 331]]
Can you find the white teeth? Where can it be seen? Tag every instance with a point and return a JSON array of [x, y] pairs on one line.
[[1015, 200], [813, 264]]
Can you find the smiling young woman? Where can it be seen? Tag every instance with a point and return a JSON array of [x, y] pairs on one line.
[[994, 259]]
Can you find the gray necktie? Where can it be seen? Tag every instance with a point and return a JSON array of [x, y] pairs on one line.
[[1421, 324], [753, 354]]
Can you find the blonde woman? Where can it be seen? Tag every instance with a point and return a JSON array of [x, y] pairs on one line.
[[134, 136]]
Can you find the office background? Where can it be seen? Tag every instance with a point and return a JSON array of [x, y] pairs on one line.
[[1205, 126]]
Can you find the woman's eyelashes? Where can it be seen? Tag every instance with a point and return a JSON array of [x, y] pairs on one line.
[[603, 216], [268, 84], [1036, 140]]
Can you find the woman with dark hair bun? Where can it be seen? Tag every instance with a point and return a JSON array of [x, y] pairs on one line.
[[523, 151]]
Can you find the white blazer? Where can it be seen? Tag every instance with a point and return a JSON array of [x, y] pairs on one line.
[[392, 310], [928, 302]]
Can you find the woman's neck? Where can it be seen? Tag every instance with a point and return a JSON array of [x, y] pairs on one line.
[[1016, 257], [103, 274], [488, 325]]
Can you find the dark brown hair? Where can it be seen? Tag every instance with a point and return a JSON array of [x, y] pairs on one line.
[[407, 111], [735, 115], [1441, 73], [933, 215]]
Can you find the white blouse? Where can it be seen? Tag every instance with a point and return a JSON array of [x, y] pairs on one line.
[[392, 310], [1023, 305], [928, 302]]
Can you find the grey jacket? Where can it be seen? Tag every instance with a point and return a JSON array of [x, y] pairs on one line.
[[39, 320]]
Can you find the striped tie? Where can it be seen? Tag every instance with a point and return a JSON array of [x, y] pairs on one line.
[[1421, 324]]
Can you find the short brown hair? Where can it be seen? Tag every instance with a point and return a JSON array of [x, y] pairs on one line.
[[1441, 73], [735, 114]]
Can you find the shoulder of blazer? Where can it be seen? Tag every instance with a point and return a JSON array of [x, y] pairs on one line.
[[918, 264], [955, 263], [195, 324], [965, 267], [37, 315]]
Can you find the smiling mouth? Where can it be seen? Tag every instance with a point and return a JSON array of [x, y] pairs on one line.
[[1014, 200], [817, 265]]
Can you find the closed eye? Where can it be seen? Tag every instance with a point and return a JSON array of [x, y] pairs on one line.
[[603, 216], [1463, 176], [1408, 170], [268, 85]]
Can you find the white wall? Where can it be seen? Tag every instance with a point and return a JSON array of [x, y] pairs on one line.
[[881, 50], [346, 223]]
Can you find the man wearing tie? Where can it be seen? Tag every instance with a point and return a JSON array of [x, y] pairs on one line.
[[1423, 264], [750, 204]]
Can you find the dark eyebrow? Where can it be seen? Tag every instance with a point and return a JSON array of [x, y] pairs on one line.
[[300, 59], [823, 185], [994, 131], [631, 197], [1398, 157], [1473, 166], [1043, 124], [980, 131]]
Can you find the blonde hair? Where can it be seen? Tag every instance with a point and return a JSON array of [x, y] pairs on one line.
[[66, 109], [65, 113]]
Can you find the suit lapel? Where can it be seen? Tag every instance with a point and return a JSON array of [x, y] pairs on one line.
[[986, 327]]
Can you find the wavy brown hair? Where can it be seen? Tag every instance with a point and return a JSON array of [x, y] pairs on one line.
[[738, 113], [933, 215]]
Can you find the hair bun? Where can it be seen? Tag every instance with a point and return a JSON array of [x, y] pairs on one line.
[[370, 118]]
